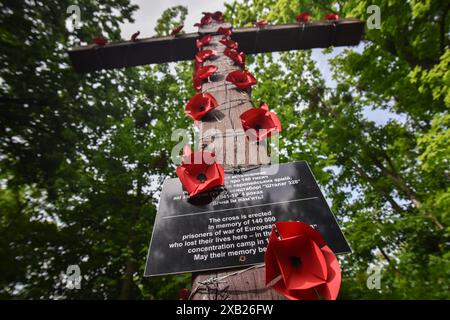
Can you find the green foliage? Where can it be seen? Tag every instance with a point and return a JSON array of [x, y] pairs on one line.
[[82, 157], [388, 182], [169, 21]]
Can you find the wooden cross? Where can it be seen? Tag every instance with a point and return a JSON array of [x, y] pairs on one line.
[[232, 103]]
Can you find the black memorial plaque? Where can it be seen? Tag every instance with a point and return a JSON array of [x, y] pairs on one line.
[[229, 227]]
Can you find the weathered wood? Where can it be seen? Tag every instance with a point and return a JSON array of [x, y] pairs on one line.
[[226, 119], [269, 38]]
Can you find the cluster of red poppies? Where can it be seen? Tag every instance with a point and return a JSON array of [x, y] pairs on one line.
[[298, 262]]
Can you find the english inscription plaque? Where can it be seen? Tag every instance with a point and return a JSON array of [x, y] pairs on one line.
[[229, 227]]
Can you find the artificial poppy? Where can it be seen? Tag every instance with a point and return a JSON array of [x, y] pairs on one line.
[[261, 23], [303, 17], [225, 31], [262, 121], [200, 172], [218, 16], [205, 72], [204, 54], [101, 41], [199, 105], [197, 65], [241, 79], [308, 268], [229, 43], [183, 294], [204, 41], [135, 35], [237, 57], [208, 18], [176, 30], [331, 16]]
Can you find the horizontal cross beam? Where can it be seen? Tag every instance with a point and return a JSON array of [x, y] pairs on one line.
[[269, 38]]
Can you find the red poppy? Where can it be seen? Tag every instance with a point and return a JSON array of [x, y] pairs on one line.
[[205, 72], [237, 57], [331, 16], [204, 54], [135, 35], [183, 294], [308, 268], [225, 31], [208, 18], [176, 30], [303, 17], [203, 41], [200, 172], [261, 23], [229, 43], [218, 16], [199, 105], [241, 79], [197, 65], [197, 83], [101, 41], [262, 121]]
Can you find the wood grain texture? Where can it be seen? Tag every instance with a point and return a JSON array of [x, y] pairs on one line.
[[219, 127]]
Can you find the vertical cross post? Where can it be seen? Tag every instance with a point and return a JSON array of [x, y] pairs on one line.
[[222, 132]]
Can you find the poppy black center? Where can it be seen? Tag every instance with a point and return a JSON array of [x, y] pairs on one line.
[[202, 108], [201, 177], [258, 127], [296, 262]]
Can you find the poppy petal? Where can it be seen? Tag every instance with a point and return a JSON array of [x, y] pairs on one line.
[[330, 290]]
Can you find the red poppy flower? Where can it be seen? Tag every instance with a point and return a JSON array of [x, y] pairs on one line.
[[225, 31], [261, 23], [197, 65], [199, 105], [135, 35], [200, 172], [205, 72], [241, 79], [203, 41], [308, 267], [197, 83], [204, 54], [101, 41], [262, 121], [218, 16], [331, 16], [303, 17], [237, 57], [229, 43], [183, 294], [176, 30]]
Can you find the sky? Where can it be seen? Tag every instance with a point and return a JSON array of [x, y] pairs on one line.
[[150, 10]]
